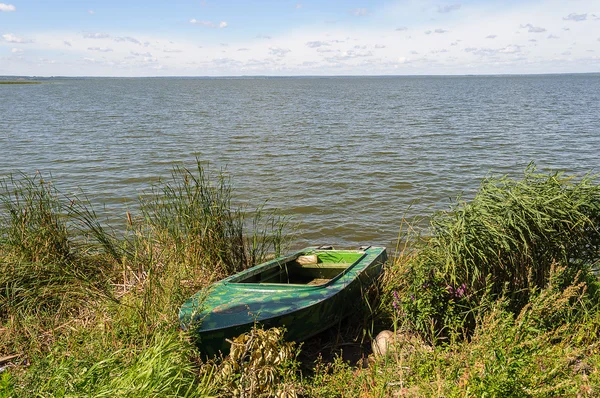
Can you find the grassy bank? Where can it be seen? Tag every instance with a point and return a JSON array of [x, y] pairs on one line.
[[496, 298]]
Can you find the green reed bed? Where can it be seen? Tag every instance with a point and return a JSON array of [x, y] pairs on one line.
[[502, 243], [498, 298], [91, 313]]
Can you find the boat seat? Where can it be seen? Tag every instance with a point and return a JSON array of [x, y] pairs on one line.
[[318, 281]]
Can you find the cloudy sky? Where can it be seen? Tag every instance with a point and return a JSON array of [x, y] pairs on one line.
[[301, 37]]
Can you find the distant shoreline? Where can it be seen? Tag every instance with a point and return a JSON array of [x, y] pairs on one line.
[[19, 82]]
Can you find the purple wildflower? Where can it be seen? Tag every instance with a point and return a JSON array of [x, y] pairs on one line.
[[396, 301], [460, 292]]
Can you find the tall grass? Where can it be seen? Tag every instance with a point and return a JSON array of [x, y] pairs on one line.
[[548, 349], [503, 242], [504, 280], [193, 214], [94, 313], [189, 234], [32, 225], [45, 275]]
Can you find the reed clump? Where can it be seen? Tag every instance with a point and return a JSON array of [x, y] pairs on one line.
[[503, 242], [45, 275], [86, 311]]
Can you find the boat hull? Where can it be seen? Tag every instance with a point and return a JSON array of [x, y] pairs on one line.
[[231, 308]]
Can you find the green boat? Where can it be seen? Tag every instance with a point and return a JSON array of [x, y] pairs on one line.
[[306, 292]]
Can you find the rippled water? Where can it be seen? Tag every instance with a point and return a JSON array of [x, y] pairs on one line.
[[346, 157]]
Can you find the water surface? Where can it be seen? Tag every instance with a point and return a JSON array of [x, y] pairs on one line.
[[347, 157]]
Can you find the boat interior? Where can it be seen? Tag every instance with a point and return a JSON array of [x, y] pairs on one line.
[[308, 269]]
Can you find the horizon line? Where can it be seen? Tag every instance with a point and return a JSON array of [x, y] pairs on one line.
[[291, 76]]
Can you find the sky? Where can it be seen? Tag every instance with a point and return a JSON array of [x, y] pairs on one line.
[[299, 37]]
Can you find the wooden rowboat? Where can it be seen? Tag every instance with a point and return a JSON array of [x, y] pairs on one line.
[[306, 292]]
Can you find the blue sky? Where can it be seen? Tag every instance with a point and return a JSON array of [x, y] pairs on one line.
[[268, 37]]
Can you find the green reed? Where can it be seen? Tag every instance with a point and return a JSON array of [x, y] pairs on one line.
[[42, 267], [503, 242], [93, 312], [193, 213]]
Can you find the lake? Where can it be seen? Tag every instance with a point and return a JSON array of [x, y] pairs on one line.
[[346, 157]]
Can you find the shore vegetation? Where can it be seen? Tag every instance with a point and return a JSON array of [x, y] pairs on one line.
[[19, 82], [498, 296]]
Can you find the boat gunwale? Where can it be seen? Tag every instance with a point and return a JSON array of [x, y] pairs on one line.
[[288, 286]]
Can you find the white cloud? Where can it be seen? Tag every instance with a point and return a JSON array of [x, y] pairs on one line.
[[533, 29], [316, 44], [16, 50], [486, 52], [349, 55], [552, 37], [401, 29], [427, 32], [448, 8], [96, 36], [209, 24], [441, 31], [343, 48], [299, 5], [100, 49], [7, 7], [9, 37], [91, 12], [512, 49], [128, 39], [359, 12], [575, 17], [279, 52]]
